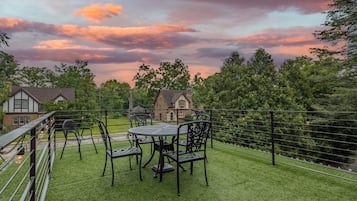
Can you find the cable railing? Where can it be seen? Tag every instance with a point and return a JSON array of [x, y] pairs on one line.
[[25, 173], [320, 139]]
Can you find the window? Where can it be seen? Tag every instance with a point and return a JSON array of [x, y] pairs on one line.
[[182, 103], [181, 115], [21, 104], [20, 120]]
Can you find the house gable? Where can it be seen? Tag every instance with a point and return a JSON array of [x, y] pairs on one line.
[[24, 103], [168, 102], [21, 101]]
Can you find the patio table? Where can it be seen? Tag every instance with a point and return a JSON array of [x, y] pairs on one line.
[[161, 131]]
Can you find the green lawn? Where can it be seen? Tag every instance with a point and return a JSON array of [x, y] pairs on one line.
[[232, 175]]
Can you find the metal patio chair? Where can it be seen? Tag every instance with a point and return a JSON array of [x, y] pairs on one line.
[[70, 126], [195, 149], [119, 152]]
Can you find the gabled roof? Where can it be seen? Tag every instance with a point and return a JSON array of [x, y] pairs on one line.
[[170, 96], [43, 95]]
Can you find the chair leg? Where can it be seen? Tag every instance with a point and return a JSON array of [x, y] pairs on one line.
[[105, 164], [91, 136], [130, 163], [178, 178], [204, 165], [64, 146], [191, 168], [111, 159], [141, 157], [79, 145]]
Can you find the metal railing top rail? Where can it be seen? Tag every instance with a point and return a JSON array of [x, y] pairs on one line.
[[286, 111], [10, 137]]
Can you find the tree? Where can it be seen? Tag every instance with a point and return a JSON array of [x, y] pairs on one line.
[[293, 79], [168, 76], [341, 29], [7, 71], [114, 95], [34, 77], [80, 77], [3, 39]]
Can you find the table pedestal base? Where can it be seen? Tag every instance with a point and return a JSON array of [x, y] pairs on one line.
[[167, 168]]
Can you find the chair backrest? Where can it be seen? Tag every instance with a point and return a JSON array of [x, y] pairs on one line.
[[86, 121], [199, 115], [139, 120], [197, 132], [105, 135], [69, 125]]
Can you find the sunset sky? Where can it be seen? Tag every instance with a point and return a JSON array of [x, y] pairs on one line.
[[117, 36]]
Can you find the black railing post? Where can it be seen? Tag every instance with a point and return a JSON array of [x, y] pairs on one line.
[[106, 117], [272, 138], [33, 164], [177, 115], [49, 130], [211, 131]]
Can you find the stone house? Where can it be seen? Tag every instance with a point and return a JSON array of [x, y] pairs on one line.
[[172, 105]]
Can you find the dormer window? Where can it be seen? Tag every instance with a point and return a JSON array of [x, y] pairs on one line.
[[21, 104], [182, 103]]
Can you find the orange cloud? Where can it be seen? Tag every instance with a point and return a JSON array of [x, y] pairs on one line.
[[160, 36], [98, 12], [286, 37], [65, 44]]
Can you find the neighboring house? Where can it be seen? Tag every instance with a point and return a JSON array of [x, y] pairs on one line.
[[138, 109], [172, 104], [24, 104]]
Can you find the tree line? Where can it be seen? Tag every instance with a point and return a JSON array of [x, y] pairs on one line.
[[326, 83]]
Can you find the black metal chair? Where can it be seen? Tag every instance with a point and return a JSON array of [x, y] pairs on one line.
[[195, 149], [199, 115], [117, 153], [70, 126], [87, 124], [140, 120], [136, 120]]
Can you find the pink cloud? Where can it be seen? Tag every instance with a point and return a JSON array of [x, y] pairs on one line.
[[296, 36], [305, 6], [159, 36], [66, 44], [98, 12]]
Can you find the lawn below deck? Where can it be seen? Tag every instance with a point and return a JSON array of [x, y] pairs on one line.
[[232, 175]]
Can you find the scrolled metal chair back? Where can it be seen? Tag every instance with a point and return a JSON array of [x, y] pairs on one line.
[[197, 134]]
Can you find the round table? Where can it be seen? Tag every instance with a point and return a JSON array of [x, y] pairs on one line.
[[161, 131]]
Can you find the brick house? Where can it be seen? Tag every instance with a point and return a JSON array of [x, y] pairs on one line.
[[24, 103], [170, 104]]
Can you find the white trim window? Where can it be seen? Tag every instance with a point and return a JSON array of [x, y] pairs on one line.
[[182, 103], [20, 120], [21, 104]]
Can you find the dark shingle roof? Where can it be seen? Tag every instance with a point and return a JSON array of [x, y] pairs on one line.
[[46, 94], [170, 96]]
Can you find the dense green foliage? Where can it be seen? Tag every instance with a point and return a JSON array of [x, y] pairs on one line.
[[7, 71], [113, 95], [167, 76], [340, 29], [34, 77]]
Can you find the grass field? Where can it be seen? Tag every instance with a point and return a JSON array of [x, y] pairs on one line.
[[232, 175]]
